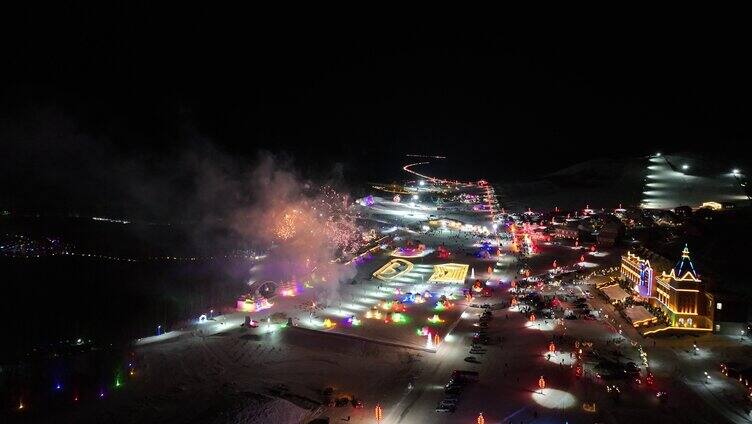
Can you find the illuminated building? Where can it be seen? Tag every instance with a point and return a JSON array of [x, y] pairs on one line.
[[677, 290], [640, 273], [681, 294], [567, 232]]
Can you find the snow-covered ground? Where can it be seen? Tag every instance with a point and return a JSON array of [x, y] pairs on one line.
[[221, 372]]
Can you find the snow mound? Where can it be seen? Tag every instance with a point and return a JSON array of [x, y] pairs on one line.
[[260, 409]]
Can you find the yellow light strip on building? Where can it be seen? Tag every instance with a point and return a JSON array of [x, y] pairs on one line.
[[685, 290], [675, 328]]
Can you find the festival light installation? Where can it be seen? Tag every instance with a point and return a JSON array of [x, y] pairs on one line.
[[541, 383], [329, 323], [435, 319], [551, 347], [480, 419], [378, 413], [373, 314], [354, 321], [429, 341], [248, 303], [477, 286], [532, 317]]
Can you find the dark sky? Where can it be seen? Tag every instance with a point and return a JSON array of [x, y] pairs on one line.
[[149, 85]]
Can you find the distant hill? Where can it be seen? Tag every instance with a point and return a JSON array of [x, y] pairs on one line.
[[650, 182]]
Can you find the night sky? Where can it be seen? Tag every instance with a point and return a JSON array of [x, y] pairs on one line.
[[88, 90]]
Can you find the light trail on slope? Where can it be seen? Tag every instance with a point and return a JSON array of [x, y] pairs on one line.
[[407, 167]]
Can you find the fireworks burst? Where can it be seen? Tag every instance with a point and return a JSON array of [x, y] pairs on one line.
[[326, 214], [286, 228]]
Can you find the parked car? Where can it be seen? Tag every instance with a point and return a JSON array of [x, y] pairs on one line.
[[454, 390], [472, 359], [467, 375], [449, 402]]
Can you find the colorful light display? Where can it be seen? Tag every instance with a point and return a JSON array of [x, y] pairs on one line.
[[393, 269], [435, 319], [374, 313], [353, 320], [248, 303], [449, 273]]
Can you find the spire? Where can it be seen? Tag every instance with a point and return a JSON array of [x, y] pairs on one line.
[[684, 265]]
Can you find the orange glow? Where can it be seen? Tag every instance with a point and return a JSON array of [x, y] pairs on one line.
[[378, 413], [480, 419]]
